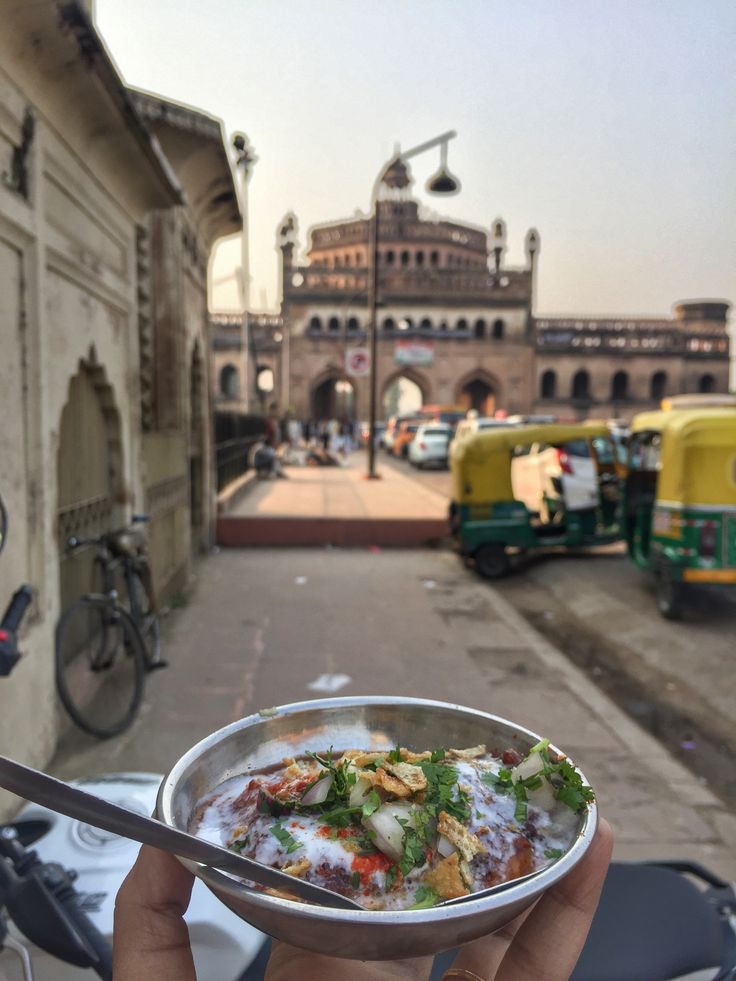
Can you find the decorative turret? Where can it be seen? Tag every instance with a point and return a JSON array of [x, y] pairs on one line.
[[287, 236], [498, 241], [531, 247]]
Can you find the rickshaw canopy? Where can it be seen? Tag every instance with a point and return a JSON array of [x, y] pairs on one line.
[[697, 462], [481, 464]]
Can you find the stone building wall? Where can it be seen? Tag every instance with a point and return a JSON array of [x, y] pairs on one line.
[[79, 440]]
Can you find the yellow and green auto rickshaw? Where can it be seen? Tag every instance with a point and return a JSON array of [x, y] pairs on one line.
[[529, 487], [679, 500]]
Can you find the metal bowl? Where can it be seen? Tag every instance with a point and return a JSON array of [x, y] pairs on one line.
[[373, 723]]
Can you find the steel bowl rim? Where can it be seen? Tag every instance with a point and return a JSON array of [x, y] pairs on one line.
[[534, 886]]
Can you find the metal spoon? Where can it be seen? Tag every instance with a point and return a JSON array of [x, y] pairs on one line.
[[66, 799]]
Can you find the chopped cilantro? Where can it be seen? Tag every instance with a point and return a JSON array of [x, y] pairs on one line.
[[284, 838], [553, 852], [355, 880], [440, 792], [371, 804], [566, 782], [414, 853], [391, 876], [425, 897], [395, 755], [437, 755], [521, 809]]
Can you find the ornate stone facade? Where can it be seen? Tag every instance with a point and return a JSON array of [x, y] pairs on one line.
[[457, 321]]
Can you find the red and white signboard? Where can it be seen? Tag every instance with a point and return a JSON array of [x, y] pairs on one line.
[[357, 362]]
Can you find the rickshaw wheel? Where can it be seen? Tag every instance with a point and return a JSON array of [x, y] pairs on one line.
[[669, 594], [491, 561]]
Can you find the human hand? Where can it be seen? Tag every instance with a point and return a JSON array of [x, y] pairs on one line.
[[151, 938]]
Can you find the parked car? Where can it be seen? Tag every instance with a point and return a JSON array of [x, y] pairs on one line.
[[406, 433], [430, 444], [564, 473]]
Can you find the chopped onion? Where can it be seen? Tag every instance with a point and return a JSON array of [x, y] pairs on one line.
[[532, 765], [543, 797], [359, 792], [317, 793], [444, 846], [388, 833]]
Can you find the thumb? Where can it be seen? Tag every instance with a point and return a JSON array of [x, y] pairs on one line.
[[151, 939]]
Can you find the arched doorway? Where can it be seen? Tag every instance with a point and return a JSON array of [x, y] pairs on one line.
[[478, 392], [229, 382], [707, 384], [402, 395], [196, 450], [333, 398], [89, 467]]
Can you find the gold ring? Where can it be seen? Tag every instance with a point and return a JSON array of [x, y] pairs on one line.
[[461, 972]]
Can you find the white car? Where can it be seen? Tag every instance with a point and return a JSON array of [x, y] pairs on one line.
[[430, 445], [547, 473]]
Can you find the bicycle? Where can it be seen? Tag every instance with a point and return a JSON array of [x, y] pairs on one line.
[[104, 647]]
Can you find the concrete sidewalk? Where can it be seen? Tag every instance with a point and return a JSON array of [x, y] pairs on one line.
[[267, 627], [337, 506]]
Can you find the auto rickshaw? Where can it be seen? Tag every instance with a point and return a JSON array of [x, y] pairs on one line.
[[679, 500], [531, 487]]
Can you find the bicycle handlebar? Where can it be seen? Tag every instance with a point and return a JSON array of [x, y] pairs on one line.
[[107, 536], [9, 653], [45, 906]]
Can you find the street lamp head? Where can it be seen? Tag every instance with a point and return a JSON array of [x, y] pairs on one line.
[[443, 182]]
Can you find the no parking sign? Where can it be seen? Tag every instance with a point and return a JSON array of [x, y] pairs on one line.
[[357, 362]]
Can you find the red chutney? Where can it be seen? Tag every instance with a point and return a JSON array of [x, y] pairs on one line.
[[367, 865]]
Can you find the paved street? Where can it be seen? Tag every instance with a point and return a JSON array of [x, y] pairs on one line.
[[262, 627]]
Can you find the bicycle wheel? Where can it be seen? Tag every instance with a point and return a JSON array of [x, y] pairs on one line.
[[100, 666], [145, 617]]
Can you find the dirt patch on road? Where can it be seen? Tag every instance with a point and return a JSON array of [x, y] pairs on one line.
[[671, 712]]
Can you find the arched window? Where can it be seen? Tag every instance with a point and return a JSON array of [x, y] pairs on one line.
[[443, 325], [333, 324], [707, 383], [419, 258], [462, 324], [658, 385], [434, 258], [426, 324], [358, 258], [353, 323], [619, 386], [315, 324], [404, 258], [548, 385], [498, 330], [389, 324], [348, 259], [390, 257], [581, 385], [229, 381], [480, 328]]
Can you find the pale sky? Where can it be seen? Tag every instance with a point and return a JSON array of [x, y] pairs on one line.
[[608, 125]]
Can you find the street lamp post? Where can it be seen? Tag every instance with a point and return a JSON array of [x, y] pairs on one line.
[[244, 161], [442, 182]]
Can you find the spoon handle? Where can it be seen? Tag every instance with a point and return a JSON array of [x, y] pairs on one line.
[[75, 803]]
